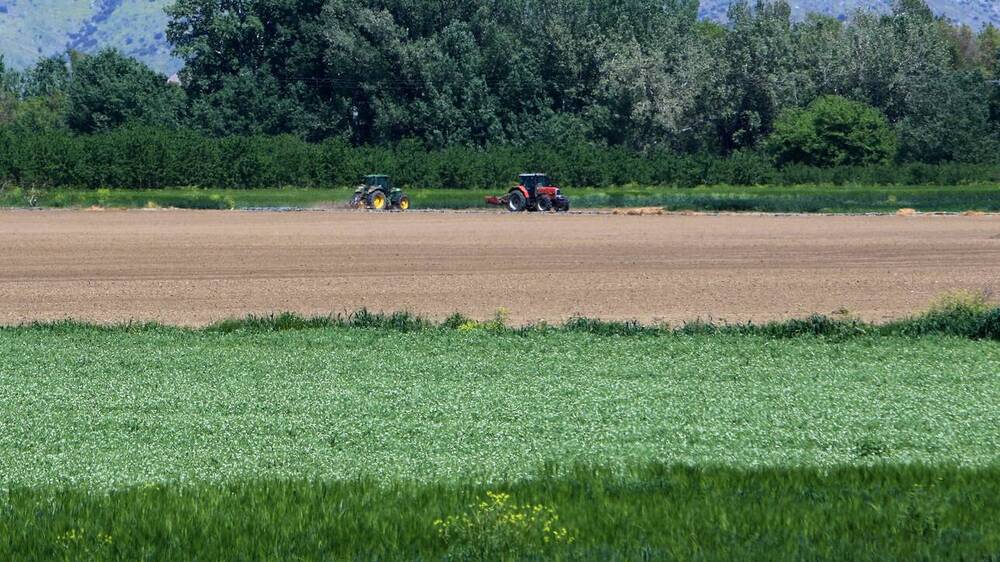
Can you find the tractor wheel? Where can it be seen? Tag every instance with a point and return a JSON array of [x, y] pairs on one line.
[[403, 203], [516, 201], [543, 204], [377, 200], [356, 201]]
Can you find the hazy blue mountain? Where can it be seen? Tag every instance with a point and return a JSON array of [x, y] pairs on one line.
[[976, 13], [33, 28]]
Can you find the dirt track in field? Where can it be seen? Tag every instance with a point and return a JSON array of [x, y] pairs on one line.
[[195, 267]]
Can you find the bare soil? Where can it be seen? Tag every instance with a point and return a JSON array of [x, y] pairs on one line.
[[196, 267]]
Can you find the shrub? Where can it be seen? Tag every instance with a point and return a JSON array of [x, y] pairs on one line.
[[960, 313], [143, 157], [605, 328], [833, 131], [399, 321], [989, 325], [815, 325], [272, 323]]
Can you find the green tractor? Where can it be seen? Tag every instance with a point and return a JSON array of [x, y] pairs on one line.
[[377, 193]]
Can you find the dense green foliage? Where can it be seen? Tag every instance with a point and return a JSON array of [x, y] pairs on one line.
[[638, 74], [138, 157], [467, 94], [833, 131], [645, 511], [108, 91]]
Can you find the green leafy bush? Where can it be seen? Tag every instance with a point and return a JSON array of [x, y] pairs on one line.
[[143, 157], [989, 325], [833, 131], [961, 313]]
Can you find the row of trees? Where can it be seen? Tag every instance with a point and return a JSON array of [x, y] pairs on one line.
[[137, 157], [644, 75]]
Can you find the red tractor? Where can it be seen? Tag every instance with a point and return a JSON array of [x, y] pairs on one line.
[[533, 193]]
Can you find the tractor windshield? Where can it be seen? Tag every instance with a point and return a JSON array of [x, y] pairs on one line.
[[379, 181], [531, 181]]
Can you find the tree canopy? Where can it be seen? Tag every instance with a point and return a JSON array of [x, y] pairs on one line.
[[637, 74], [833, 131], [109, 90]]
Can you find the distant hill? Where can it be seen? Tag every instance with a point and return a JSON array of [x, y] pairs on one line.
[[976, 13], [33, 28]]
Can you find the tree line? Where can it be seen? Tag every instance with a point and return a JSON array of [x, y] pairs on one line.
[[638, 77], [137, 156]]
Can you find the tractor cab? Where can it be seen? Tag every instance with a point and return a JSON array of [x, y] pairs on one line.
[[378, 182], [531, 182]]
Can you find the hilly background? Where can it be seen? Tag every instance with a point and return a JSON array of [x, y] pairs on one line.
[[33, 28]]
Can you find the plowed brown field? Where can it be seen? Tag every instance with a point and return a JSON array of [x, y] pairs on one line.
[[194, 267]]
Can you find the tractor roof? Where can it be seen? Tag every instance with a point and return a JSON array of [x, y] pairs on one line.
[[532, 175], [376, 176]]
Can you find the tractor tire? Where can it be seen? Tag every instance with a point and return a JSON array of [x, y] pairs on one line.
[[356, 201], [377, 200], [516, 202], [403, 203], [543, 204]]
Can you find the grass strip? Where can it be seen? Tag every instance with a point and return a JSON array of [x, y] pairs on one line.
[[775, 199], [645, 511], [961, 314]]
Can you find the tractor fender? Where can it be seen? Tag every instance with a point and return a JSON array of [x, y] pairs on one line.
[[522, 190]]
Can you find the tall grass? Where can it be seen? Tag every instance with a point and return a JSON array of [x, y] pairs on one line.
[[639, 512], [965, 313], [720, 198], [962, 314]]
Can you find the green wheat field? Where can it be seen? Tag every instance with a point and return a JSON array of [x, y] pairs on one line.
[[378, 437]]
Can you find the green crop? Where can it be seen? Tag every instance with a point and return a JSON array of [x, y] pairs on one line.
[[380, 438], [111, 408]]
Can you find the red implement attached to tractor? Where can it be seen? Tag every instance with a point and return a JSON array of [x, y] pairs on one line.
[[533, 193]]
